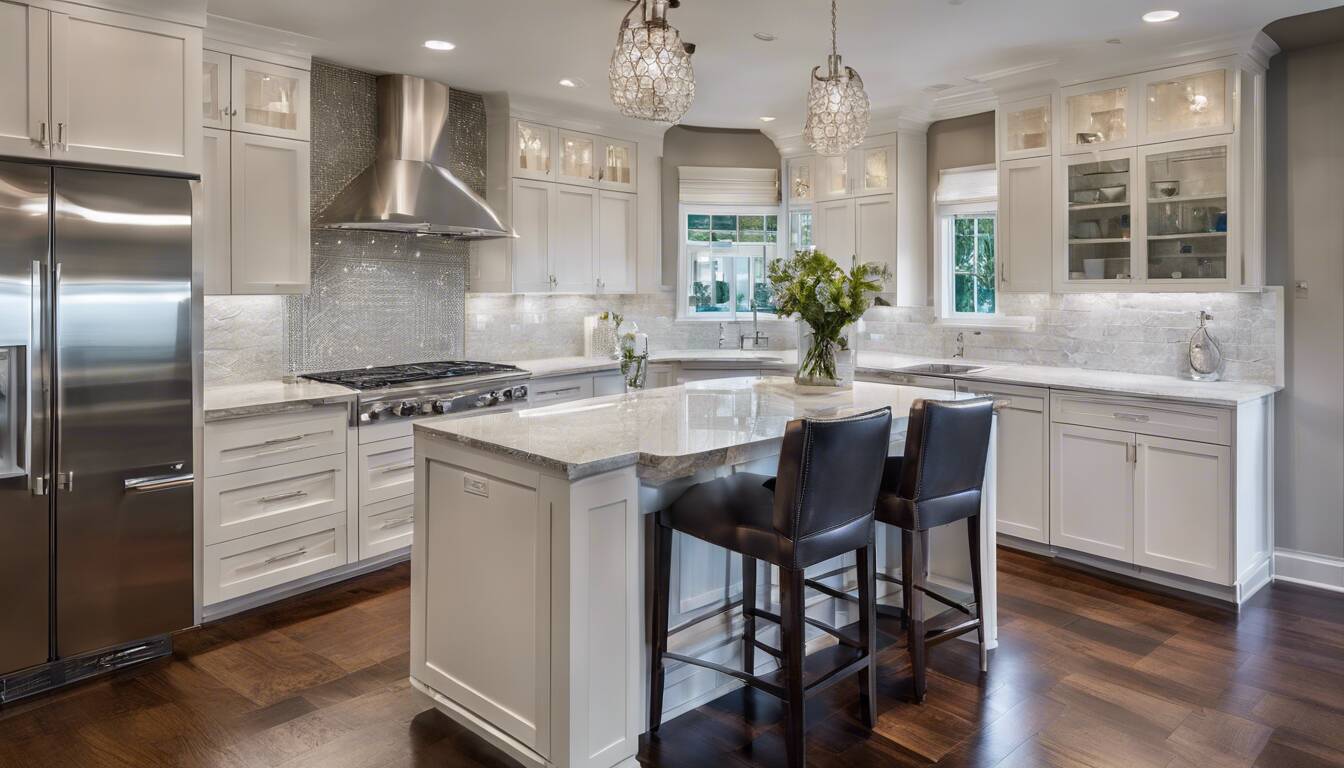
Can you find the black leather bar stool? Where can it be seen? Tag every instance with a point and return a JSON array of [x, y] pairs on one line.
[[830, 472], [937, 482]]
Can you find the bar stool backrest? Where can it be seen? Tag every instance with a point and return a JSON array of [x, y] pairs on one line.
[[945, 449], [830, 472]]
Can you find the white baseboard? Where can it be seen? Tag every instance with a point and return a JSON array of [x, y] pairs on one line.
[[1320, 571]]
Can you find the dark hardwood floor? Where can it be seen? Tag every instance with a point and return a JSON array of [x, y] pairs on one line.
[[1088, 673]]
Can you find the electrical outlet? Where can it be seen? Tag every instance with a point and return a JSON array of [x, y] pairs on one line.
[[1300, 289]]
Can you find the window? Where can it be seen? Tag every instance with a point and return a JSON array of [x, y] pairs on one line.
[[725, 251], [973, 263]]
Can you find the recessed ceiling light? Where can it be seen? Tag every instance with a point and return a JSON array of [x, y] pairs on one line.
[[1156, 17], [439, 45], [566, 82], [767, 119], [765, 37]]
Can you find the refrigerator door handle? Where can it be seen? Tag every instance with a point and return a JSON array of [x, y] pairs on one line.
[[37, 471], [158, 483], [65, 481]]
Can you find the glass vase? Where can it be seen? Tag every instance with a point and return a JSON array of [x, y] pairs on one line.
[[826, 362]]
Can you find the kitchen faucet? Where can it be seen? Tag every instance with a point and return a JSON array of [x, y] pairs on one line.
[[961, 344], [758, 339]]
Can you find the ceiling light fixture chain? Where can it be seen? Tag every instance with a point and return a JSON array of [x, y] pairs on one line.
[[650, 74], [837, 104]]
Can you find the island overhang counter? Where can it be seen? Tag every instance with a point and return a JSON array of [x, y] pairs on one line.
[[529, 590]]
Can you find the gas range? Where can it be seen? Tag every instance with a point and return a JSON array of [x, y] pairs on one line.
[[398, 393]]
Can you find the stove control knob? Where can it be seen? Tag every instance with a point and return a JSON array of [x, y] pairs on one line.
[[377, 410], [443, 406], [406, 408], [505, 394], [520, 392], [484, 401]]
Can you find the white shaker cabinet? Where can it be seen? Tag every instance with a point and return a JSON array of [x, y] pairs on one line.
[[269, 99], [875, 230], [25, 127], [575, 243], [833, 230], [1183, 508], [1023, 459], [533, 218], [216, 91], [214, 217], [618, 170], [1025, 232], [270, 222], [617, 243], [1091, 499], [125, 91]]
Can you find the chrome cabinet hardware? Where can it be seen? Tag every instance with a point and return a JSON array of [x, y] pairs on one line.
[[397, 467], [400, 521], [282, 440], [544, 393], [1137, 417], [282, 497], [301, 551], [158, 483], [1131, 453], [42, 135], [60, 136]]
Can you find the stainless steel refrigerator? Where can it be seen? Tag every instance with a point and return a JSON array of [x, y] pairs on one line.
[[95, 421]]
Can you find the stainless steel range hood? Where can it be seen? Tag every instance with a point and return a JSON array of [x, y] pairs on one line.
[[409, 187]]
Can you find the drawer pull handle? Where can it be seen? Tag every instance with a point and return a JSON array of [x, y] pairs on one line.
[[281, 497], [398, 467], [547, 392], [286, 556], [397, 523], [283, 440], [1139, 417]]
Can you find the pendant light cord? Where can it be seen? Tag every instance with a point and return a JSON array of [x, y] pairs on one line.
[[835, 51]]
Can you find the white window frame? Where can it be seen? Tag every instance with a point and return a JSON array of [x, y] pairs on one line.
[[685, 210], [946, 283]]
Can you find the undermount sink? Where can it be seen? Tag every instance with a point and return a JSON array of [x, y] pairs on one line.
[[941, 369]]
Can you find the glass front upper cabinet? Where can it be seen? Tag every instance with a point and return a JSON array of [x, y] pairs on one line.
[[215, 89], [1187, 101], [1097, 116], [618, 165], [877, 168], [578, 158], [1099, 193], [533, 148], [1024, 128], [801, 180], [269, 99], [834, 177], [800, 229], [1187, 211]]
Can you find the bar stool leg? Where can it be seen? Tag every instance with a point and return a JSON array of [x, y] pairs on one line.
[[914, 564], [866, 573], [749, 615], [793, 638], [907, 583], [662, 585], [973, 537]]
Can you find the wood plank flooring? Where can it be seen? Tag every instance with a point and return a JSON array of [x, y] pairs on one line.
[[1088, 673]]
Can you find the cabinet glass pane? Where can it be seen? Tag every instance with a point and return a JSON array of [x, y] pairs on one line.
[[534, 149], [1192, 103], [576, 158], [618, 164], [1027, 128], [1099, 220], [800, 180], [800, 230], [1098, 117], [875, 171], [212, 104], [837, 175], [1187, 214], [271, 100]]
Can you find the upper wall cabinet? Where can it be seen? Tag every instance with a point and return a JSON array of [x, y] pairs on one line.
[[533, 151], [1025, 128], [92, 86], [617, 170], [578, 159], [800, 173], [243, 94], [1186, 102], [546, 153], [1098, 116]]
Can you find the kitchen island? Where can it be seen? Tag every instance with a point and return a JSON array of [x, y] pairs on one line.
[[528, 620]]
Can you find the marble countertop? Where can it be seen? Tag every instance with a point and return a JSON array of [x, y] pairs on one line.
[[566, 366], [274, 396], [669, 432]]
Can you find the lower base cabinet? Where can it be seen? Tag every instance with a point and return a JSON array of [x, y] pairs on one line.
[[1183, 508], [1092, 493], [1023, 442], [264, 560]]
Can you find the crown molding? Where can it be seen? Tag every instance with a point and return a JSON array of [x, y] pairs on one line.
[[970, 101], [228, 30], [576, 118]]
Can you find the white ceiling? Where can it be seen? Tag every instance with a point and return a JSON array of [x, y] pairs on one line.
[[900, 47]]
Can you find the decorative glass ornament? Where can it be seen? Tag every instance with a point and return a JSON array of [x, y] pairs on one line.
[[651, 76], [1206, 359], [837, 105]]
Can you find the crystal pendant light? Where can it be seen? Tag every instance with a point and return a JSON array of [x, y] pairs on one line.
[[837, 105], [651, 76]]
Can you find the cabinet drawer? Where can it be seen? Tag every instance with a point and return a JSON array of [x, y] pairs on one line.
[[242, 566], [385, 526], [559, 389], [1144, 417], [260, 500], [265, 441], [386, 470]]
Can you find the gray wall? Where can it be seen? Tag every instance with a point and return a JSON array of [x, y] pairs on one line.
[[955, 143], [1305, 230], [708, 147]]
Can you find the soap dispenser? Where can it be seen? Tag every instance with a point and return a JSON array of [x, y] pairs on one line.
[[1206, 358]]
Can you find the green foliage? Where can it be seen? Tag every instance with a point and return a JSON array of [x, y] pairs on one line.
[[812, 286]]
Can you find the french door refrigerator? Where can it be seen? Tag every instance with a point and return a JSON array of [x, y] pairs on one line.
[[95, 421]]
